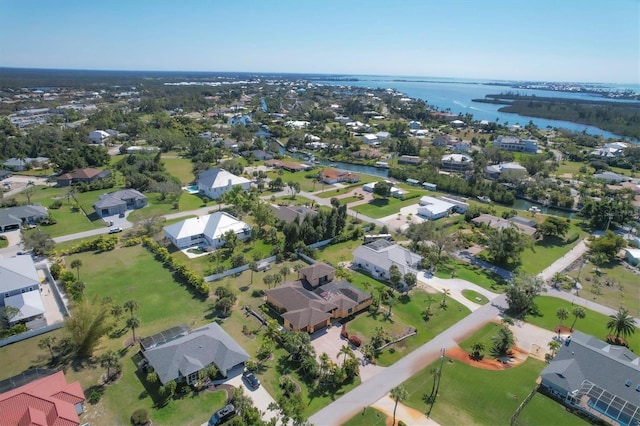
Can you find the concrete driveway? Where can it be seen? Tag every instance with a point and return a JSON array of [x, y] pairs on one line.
[[455, 286], [261, 398]]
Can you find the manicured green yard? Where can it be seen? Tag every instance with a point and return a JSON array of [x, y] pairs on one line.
[[546, 251], [369, 417], [480, 276], [594, 323], [470, 395], [156, 207], [180, 168], [308, 180], [348, 200], [341, 252], [483, 335], [542, 410], [297, 201], [623, 285], [380, 207], [475, 297]]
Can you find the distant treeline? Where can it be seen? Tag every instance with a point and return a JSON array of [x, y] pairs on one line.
[[622, 118]]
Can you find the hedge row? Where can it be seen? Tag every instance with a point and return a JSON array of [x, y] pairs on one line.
[[181, 270], [99, 244]]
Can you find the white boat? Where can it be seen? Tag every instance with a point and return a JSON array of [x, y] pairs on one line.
[[382, 165], [484, 199], [534, 209]]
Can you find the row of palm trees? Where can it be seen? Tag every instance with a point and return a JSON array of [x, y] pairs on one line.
[[621, 324]]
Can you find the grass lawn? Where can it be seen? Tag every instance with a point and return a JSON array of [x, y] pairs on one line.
[[341, 252], [594, 323], [483, 335], [180, 168], [546, 251], [348, 200], [475, 297], [297, 201], [329, 193], [623, 285], [380, 207], [369, 417], [542, 410], [308, 180], [469, 395], [157, 207], [3, 242], [480, 276]]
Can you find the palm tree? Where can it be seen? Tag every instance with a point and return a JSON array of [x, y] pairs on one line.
[[131, 305], [577, 312], [399, 393], [562, 314], [76, 264], [284, 272], [347, 352], [503, 341], [429, 299], [133, 323], [622, 324], [47, 342], [477, 349], [554, 345], [557, 279], [109, 360], [254, 267], [434, 371], [116, 311], [445, 293], [506, 322]]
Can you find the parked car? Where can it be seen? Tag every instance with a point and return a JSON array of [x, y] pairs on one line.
[[121, 215], [251, 379], [115, 230], [222, 415]]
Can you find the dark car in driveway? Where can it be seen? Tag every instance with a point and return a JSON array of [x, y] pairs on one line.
[[222, 415], [251, 379]]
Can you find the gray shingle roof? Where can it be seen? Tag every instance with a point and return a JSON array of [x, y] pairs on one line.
[[586, 358], [383, 254], [195, 351]]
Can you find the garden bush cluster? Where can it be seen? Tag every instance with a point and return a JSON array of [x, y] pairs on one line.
[[99, 244], [189, 277]]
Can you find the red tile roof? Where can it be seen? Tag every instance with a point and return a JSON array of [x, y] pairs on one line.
[[45, 402]]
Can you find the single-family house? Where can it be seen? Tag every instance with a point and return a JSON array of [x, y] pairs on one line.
[[434, 208], [499, 223], [216, 181], [47, 401], [611, 177], [378, 256], [87, 175], [632, 256], [600, 380], [182, 357], [412, 160], [496, 170], [290, 214], [20, 288], [240, 119], [457, 123], [383, 136], [512, 143], [394, 191], [118, 202], [5, 174], [99, 137], [22, 164], [331, 176], [369, 138], [430, 186], [456, 163], [415, 125], [315, 299], [15, 217], [610, 150], [257, 154], [207, 231], [444, 141], [286, 165]]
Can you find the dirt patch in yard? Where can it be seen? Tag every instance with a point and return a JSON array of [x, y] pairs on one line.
[[518, 357]]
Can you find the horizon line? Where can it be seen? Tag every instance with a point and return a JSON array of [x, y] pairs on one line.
[[311, 73]]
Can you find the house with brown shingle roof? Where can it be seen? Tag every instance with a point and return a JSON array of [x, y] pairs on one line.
[[306, 305], [331, 176], [45, 402], [86, 175]]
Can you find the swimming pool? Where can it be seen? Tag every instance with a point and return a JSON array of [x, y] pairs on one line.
[[193, 189]]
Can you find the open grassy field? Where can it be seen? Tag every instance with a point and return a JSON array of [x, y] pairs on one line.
[[542, 410], [308, 180], [156, 207], [368, 417], [622, 290], [469, 395], [180, 168], [480, 276], [379, 207], [483, 335], [594, 323]]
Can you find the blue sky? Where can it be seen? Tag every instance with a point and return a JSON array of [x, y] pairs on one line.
[[551, 40]]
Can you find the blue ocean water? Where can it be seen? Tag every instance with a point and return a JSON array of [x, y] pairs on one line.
[[456, 96]]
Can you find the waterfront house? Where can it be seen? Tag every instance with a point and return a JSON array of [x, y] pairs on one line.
[[378, 256], [456, 163], [515, 144], [216, 181]]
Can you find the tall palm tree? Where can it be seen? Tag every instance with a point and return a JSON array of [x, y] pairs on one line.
[[445, 293], [347, 352], [399, 393], [131, 305], [622, 324], [76, 264], [109, 360], [562, 314], [47, 342], [429, 299], [133, 323], [578, 313], [554, 345]]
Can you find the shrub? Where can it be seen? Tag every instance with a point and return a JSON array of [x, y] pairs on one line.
[[55, 270], [55, 205], [94, 397], [140, 417], [355, 341]]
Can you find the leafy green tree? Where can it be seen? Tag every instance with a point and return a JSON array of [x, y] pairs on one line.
[[395, 276], [521, 295], [399, 393], [621, 324], [506, 245], [230, 239], [38, 241], [503, 341], [109, 360], [609, 244], [410, 279], [554, 226], [382, 189], [48, 342]]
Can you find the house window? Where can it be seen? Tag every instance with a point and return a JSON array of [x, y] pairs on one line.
[[192, 378]]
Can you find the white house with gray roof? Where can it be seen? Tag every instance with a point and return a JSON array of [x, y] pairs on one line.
[[182, 357], [119, 202], [207, 231], [378, 256], [598, 379], [20, 288], [215, 182], [14, 217]]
